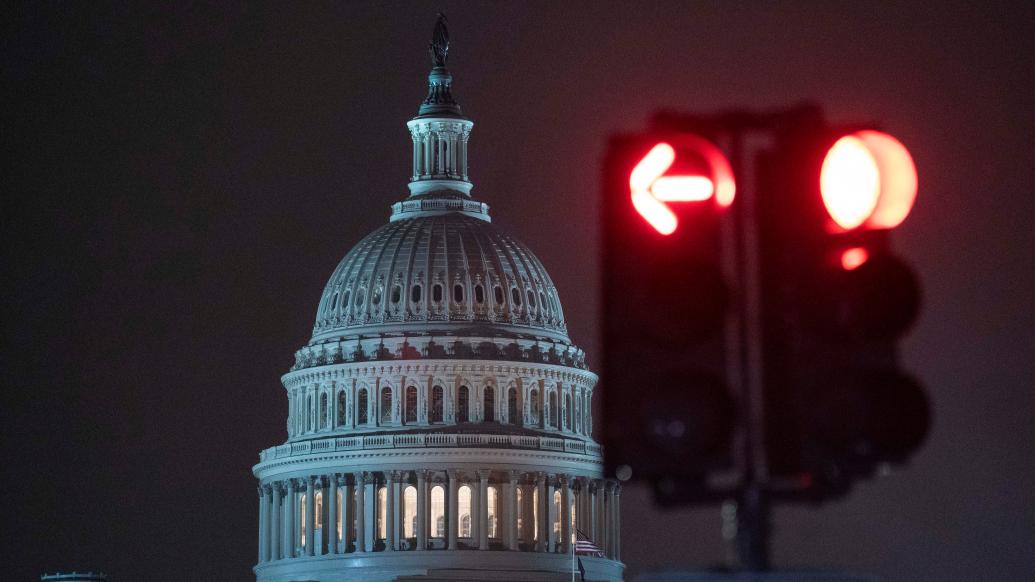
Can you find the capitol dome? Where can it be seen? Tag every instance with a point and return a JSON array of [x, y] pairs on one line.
[[439, 420], [445, 273]]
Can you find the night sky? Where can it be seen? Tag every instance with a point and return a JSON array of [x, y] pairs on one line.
[[180, 181]]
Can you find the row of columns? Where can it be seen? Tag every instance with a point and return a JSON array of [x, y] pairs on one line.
[[282, 535]]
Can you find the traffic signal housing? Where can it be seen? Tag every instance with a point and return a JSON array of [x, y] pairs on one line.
[[836, 300], [668, 407]]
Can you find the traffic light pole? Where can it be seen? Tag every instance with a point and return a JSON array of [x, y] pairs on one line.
[[752, 504]]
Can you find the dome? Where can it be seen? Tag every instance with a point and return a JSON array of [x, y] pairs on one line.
[[445, 274]]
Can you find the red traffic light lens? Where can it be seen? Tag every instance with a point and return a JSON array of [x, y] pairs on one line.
[[868, 180]]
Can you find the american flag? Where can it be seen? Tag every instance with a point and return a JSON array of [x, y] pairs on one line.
[[585, 546]]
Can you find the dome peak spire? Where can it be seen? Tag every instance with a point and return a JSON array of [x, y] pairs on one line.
[[440, 133]]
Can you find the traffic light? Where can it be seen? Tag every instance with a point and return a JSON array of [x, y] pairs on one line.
[[835, 301], [667, 403]]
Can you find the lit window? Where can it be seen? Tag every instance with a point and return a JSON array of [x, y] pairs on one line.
[[464, 511], [520, 512], [382, 511], [410, 512], [318, 521], [557, 514], [438, 511], [492, 505]]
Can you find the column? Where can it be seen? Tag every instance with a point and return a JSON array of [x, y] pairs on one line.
[[275, 527], [361, 535], [263, 519], [289, 519], [321, 484], [565, 514], [483, 510], [390, 519], [332, 514], [551, 512], [422, 510], [451, 510], [310, 516], [542, 512], [598, 514], [348, 514], [512, 511], [609, 519], [618, 521]]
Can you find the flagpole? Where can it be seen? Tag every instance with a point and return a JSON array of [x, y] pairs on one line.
[[573, 559]]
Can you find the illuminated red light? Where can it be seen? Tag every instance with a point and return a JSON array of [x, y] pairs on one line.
[[868, 180], [853, 258], [650, 189]]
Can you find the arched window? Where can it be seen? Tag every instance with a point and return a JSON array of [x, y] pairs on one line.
[[361, 407], [513, 415], [498, 292], [382, 512], [542, 302], [463, 511], [463, 404], [458, 293], [341, 408], [436, 293], [557, 515], [318, 511], [323, 410], [569, 412], [411, 405], [375, 297], [531, 298], [359, 300], [533, 396], [490, 404], [515, 296], [415, 294], [521, 512], [436, 404], [410, 512], [492, 504], [301, 513], [333, 303], [554, 413], [345, 300], [386, 405], [396, 293], [479, 294], [438, 511]]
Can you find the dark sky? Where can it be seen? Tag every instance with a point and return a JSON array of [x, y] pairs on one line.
[[179, 182]]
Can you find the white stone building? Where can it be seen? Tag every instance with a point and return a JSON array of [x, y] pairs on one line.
[[439, 420]]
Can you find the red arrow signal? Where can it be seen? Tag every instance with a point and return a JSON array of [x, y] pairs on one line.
[[650, 189]]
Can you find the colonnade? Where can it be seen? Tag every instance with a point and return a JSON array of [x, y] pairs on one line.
[[436, 510]]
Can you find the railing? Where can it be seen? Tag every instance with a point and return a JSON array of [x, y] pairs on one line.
[[391, 441]]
